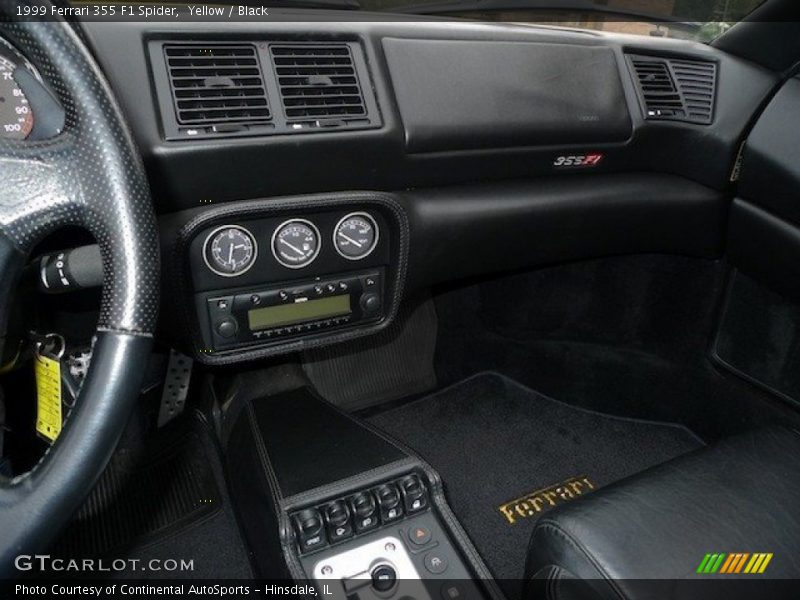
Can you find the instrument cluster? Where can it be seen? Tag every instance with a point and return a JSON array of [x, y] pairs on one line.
[[28, 110], [231, 250]]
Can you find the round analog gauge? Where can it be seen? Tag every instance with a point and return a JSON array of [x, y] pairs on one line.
[[230, 250], [296, 243], [356, 236], [16, 118]]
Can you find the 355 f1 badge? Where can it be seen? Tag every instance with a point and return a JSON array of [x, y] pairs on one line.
[[578, 160]]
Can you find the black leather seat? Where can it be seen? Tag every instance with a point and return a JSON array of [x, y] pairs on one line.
[[635, 538]]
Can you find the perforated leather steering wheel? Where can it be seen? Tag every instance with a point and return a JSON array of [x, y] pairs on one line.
[[90, 176]]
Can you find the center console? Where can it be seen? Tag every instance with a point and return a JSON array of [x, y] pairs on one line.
[[266, 277], [346, 508]]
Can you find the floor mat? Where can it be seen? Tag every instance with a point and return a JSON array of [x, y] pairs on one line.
[[165, 500], [498, 444]]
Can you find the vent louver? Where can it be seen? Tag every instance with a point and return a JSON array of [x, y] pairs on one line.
[[216, 84], [678, 90], [318, 82]]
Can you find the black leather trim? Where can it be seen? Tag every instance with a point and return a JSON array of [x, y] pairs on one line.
[[465, 231], [502, 98], [311, 445], [737, 496], [770, 174], [766, 247]]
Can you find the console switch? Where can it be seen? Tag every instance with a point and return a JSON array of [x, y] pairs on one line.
[[337, 520], [365, 511], [415, 495], [310, 529], [390, 502]]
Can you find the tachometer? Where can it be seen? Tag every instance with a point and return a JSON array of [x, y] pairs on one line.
[[16, 117]]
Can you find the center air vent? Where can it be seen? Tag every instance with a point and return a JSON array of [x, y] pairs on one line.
[[216, 84], [318, 82], [678, 90]]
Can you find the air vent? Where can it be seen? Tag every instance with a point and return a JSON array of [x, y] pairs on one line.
[[697, 82], [318, 82], [677, 90], [216, 85]]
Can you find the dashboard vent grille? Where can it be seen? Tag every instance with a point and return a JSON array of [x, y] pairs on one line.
[[217, 83], [318, 82], [678, 90], [697, 82]]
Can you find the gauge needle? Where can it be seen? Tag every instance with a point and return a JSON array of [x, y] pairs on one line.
[[295, 248], [230, 254], [349, 239]]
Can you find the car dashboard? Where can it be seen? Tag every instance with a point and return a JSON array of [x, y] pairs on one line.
[[310, 172]]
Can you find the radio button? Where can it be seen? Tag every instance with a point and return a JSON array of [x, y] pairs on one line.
[[330, 287], [370, 303], [227, 328], [283, 295], [318, 290]]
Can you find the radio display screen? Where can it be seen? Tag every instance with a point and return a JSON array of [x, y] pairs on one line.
[[299, 312]]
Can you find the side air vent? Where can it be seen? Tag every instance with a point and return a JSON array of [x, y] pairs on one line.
[[318, 83], [217, 86], [677, 90]]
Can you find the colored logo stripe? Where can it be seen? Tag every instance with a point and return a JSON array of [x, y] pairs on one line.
[[735, 563], [711, 563]]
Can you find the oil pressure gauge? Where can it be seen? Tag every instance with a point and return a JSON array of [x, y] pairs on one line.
[[230, 250], [356, 236]]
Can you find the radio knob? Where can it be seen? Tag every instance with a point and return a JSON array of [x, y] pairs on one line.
[[370, 303], [227, 328]]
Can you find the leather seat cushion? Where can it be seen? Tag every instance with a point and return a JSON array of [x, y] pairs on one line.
[[739, 496]]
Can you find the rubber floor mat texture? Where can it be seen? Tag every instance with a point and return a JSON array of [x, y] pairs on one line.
[[137, 500], [508, 455]]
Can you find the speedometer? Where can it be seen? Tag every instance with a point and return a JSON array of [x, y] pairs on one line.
[[16, 117]]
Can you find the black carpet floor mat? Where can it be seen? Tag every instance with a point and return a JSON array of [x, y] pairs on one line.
[[498, 444]]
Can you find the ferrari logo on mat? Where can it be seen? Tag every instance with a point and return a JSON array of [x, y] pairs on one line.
[[734, 564], [530, 505]]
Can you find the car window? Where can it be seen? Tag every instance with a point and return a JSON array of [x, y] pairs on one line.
[[700, 20]]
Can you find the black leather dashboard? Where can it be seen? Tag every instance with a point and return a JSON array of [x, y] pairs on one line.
[[507, 146], [184, 174]]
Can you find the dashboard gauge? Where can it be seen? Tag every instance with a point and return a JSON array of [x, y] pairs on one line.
[[230, 250], [296, 243], [16, 117], [356, 236]]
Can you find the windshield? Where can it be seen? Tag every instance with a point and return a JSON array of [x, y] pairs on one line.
[[700, 20]]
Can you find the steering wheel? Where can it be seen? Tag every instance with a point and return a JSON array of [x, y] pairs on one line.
[[90, 175]]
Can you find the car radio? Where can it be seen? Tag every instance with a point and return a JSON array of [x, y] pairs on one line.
[[248, 316]]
